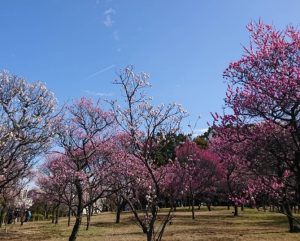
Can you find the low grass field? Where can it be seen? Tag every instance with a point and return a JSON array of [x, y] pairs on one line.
[[219, 224]]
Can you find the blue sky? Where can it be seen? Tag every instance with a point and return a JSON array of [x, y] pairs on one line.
[[76, 46]]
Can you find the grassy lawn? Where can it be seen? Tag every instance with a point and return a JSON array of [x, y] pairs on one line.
[[218, 224]]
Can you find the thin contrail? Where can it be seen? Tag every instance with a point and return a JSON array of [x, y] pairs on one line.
[[100, 71]]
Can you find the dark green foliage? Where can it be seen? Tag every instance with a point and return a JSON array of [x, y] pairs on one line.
[[202, 140], [166, 147]]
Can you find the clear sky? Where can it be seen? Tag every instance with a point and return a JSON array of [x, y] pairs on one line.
[[76, 46]]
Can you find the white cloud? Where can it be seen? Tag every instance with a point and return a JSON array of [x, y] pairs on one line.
[[101, 94], [199, 131], [109, 11], [116, 35], [108, 21]]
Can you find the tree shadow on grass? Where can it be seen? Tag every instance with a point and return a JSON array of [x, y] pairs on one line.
[[23, 237], [124, 222]]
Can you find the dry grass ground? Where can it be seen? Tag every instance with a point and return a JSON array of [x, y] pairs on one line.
[[218, 224]]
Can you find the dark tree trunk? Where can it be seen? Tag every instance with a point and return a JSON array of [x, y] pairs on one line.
[[69, 216], [281, 208], [149, 236], [289, 215], [242, 207], [167, 220], [46, 212], [208, 207], [150, 229], [118, 215], [193, 207], [120, 208], [88, 217], [76, 227], [53, 215], [56, 214], [88, 221], [2, 214], [14, 217], [79, 211], [236, 212], [92, 210], [22, 214]]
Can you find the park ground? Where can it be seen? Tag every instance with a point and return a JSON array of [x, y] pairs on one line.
[[219, 225]]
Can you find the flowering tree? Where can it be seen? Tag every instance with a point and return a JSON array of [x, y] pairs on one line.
[[270, 157], [26, 123], [84, 134], [257, 157], [123, 171], [142, 122], [56, 183], [236, 174], [264, 88], [201, 170]]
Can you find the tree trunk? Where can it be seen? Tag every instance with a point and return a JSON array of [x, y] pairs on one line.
[[56, 214], [149, 236], [236, 212], [76, 227], [242, 207], [164, 223], [22, 212], [69, 216], [92, 210], [1, 216], [88, 217], [208, 207], [289, 214], [193, 207], [88, 221], [118, 215], [150, 230], [53, 215], [120, 208], [47, 213], [79, 211]]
